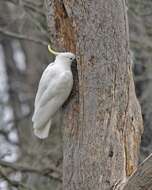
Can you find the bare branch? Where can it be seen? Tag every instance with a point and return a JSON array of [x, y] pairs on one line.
[[142, 177], [38, 24], [28, 5], [35, 9], [12, 182], [22, 37], [5, 135], [12, 1], [51, 171]]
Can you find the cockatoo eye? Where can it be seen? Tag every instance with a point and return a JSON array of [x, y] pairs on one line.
[[71, 58]]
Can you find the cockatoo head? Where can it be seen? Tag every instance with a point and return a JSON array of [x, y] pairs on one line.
[[67, 57]]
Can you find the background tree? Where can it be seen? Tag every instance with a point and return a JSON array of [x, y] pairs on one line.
[[24, 62], [140, 20]]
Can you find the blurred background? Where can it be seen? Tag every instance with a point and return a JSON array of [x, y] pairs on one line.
[[23, 57]]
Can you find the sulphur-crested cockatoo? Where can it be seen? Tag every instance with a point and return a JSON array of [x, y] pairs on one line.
[[54, 88]]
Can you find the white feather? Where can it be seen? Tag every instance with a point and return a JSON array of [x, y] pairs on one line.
[[54, 88], [43, 131]]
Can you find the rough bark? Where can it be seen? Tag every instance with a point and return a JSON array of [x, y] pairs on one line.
[[142, 177], [102, 120]]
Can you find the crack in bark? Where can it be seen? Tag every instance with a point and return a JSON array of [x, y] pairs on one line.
[[64, 26]]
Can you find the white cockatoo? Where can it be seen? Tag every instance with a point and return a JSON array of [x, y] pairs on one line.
[[54, 88]]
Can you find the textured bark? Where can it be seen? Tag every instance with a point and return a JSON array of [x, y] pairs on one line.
[[142, 177], [102, 120]]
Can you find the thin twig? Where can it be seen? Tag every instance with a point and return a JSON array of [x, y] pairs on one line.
[[5, 135], [22, 37], [35, 9], [12, 1], [28, 6], [12, 182], [51, 171], [38, 24]]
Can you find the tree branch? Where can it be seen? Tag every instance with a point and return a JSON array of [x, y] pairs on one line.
[[142, 177], [22, 37], [38, 24], [28, 6], [5, 135], [51, 171], [12, 182]]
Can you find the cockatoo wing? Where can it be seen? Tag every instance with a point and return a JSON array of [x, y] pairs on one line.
[[51, 99], [47, 74], [43, 132]]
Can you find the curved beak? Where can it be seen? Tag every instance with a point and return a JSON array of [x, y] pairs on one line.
[[74, 62]]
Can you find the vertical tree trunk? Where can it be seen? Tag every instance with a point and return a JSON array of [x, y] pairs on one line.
[[102, 121]]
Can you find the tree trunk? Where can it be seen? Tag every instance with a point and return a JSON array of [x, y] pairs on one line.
[[102, 120]]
